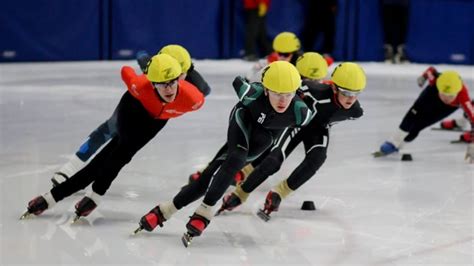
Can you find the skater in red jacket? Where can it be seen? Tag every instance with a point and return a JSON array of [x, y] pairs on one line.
[[151, 100]]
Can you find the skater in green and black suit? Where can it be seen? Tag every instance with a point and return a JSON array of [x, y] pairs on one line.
[[264, 110], [331, 102]]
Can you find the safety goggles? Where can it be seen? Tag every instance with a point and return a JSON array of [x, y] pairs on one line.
[[347, 93], [162, 85], [281, 94]]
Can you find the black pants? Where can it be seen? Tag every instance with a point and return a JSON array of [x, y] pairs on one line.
[[315, 140], [255, 33], [395, 24], [319, 19], [427, 110], [244, 141], [135, 128]]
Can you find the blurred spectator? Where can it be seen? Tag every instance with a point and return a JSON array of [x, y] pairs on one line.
[[256, 29], [395, 22], [320, 18]]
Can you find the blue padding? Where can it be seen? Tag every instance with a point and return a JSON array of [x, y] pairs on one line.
[[49, 30], [441, 31], [368, 42], [150, 24]]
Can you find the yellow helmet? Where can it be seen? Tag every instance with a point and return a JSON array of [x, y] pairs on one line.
[[179, 53], [349, 76], [312, 65], [286, 42], [449, 83], [281, 77], [163, 68]]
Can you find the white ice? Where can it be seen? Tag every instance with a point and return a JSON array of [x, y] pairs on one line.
[[369, 211]]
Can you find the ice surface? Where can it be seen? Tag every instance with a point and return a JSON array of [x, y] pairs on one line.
[[369, 211]]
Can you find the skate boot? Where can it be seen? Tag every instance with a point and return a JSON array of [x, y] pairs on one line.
[[195, 226], [464, 138], [85, 206], [450, 124], [58, 178], [142, 59], [229, 202], [38, 205], [385, 149], [150, 220], [272, 202]]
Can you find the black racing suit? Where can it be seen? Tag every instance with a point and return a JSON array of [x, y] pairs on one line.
[[315, 137], [134, 128], [253, 126], [427, 110], [108, 129]]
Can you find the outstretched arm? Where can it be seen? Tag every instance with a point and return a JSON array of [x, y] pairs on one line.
[[195, 78], [429, 75]]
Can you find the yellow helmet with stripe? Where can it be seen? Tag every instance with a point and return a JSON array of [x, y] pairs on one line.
[[179, 53], [349, 76], [312, 65], [449, 83], [286, 42], [281, 77], [163, 68]]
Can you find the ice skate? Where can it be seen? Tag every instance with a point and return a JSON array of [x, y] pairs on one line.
[[385, 149], [84, 207], [37, 206], [272, 202], [195, 226], [150, 220], [464, 138], [229, 202], [449, 125]]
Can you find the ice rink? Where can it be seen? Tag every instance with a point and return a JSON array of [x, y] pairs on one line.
[[369, 211]]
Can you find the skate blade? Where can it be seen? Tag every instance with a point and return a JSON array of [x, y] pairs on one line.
[[378, 154], [263, 215], [138, 230], [458, 142], [186, 239], [221, 210], [443, 129], [25, 215], [76, 219]]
